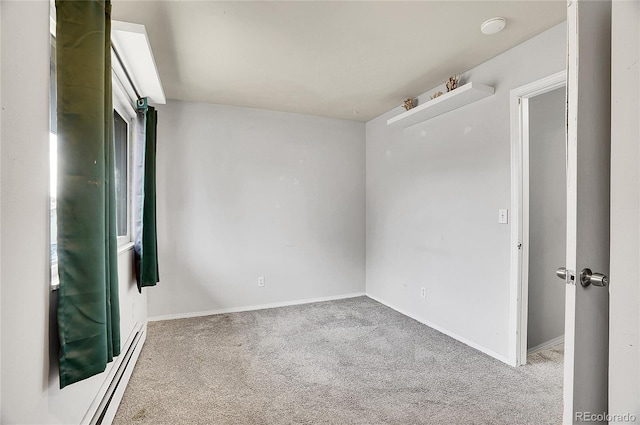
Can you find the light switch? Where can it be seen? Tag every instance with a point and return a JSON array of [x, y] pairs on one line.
[[503, 216]]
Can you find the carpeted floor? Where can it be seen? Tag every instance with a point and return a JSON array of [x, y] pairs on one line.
[[343, 362]]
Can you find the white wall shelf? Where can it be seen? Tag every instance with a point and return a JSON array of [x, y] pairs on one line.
[[455, 99]]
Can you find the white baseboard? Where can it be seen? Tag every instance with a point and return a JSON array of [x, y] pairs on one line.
[[253, 307], [464, 340], [545, 345]]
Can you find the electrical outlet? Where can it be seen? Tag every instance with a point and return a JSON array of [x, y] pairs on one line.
[[261, 281], [404, 286], [423, 292]]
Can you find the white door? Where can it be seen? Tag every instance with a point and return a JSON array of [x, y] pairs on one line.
[[588, 193], [624, 324]]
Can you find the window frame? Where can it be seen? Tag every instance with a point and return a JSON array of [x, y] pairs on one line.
[[123, 106]]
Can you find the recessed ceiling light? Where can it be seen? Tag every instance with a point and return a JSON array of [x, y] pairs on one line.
[[493, 25]]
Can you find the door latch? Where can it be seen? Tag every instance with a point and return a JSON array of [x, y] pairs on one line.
[[569, 276]]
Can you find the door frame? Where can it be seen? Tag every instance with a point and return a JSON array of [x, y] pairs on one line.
[[519, 268]]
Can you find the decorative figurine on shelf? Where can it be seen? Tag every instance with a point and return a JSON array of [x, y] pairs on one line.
[[410, 103], [436, 94], [452, 84]]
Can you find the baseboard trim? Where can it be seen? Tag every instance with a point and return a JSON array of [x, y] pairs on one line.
[[485, 350], [545, 345], [253, 307]]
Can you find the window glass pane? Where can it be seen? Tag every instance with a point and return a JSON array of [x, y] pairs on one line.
[[53, 168], [120, 145], [52, 89], [53, 164]]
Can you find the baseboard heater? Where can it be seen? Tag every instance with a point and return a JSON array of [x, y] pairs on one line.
[[104, 407]]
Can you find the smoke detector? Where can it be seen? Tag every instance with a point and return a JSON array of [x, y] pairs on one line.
[[493, 25]]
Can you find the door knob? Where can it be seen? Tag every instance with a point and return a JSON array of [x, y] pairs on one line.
[[596, 279], [562, 273]]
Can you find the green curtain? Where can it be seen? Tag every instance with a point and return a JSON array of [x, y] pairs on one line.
[[88, 310], [146, 242]]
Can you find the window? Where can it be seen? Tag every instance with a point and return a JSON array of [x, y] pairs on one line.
[[53, 165], [123, 118], [53, 159], [121, 149]]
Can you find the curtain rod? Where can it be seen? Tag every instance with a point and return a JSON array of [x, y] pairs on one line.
[[126, 73]]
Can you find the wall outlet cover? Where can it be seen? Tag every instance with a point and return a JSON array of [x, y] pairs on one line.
[[503, 216]]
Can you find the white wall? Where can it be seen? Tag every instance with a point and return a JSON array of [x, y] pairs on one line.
[[29, 385], [547, 216], [0, 213], [244, 193], [624, 326], [433, 194]]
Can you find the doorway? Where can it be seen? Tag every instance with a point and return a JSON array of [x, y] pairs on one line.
[[538, 232], [547, 220]]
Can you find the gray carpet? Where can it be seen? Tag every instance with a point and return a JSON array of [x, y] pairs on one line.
[[343, 362]]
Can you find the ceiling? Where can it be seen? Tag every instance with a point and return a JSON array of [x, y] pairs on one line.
[[343, 59]]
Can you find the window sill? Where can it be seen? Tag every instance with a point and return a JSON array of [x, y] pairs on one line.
[[125, 247]]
